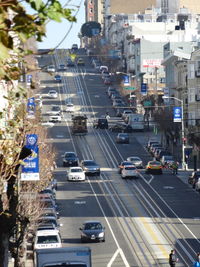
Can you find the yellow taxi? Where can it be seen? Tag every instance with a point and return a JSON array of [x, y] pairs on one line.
[[80, 62], [154, 166]]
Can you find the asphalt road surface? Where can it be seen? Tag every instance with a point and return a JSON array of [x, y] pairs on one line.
[[144, 218]]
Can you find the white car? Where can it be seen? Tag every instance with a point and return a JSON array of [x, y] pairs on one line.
[[129, 171], [137, 162], [75, 174], [47, 239], [55, 118], [55, 110], [69, 107], [52, 94], [51, 68], [125, 113]]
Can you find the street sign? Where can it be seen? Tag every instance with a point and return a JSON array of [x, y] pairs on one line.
[[177, 114], [130, 88], [126, 80], [147, 103], [143, 88]]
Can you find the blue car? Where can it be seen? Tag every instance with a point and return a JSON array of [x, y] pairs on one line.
[[58, 78]]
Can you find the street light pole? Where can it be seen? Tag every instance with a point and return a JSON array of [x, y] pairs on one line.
[[182, 129]]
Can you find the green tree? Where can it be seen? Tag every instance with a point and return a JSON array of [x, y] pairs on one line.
[[17, 26]]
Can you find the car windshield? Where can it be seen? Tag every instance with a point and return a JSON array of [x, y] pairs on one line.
[[135, 159], [52, 92], [56, 108], [89, 163], [70, 105], [93, 226], [123, 135], [154, 163], [47, 239], [126, 163], [70, 155], [76, 170]]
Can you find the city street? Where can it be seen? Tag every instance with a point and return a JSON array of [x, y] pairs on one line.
[[144, 218]]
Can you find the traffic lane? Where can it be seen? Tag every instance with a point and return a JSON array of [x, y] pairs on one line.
[[95, 94], [77, 203], [123, 151]]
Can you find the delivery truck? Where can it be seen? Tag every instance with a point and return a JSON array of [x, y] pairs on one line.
[[62, 257], [136, 121]]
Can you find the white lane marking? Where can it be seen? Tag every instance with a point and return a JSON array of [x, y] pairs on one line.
[[80, 202], [152, 177], [181, 221], [168, 187], [113, 258], [111, 230]]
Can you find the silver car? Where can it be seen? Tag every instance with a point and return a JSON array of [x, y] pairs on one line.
[[90, 167], [137, 162]]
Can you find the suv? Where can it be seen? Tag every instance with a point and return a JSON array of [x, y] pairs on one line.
[[101, 123]]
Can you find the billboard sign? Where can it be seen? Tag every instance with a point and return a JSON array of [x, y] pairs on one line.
[[30, 166], [177, 114], [152, 63]]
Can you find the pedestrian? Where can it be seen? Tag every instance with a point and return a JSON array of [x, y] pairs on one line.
[[172, 258], [107, 116], [175, 167], [198, 257]]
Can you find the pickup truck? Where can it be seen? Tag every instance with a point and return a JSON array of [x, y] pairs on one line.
[[62, 257]]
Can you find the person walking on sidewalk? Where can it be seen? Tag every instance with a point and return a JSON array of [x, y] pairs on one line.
[[175, 167], [172, 258]]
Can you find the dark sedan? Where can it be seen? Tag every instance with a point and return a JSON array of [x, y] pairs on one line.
[[92, 231], [121, 128], [70, 159], [90, 167], [122, 138], [58, 78]]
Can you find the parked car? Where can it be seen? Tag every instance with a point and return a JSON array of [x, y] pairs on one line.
[[161, 153], [55, 110], [80, 62], [58, 78], [193, 178], [167, 160], [122, 138], [129, 172], [92, 231], [137, 162], [52, 94], [154, 167], [90, 167], [124, 163], [55, 118], [75, 174], [47, 239], [62, 67], [101, 123], [120, 128], [51, 68], [70, 159]]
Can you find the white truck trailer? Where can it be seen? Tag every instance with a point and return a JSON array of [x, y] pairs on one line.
[[62, 257], [136, 121]]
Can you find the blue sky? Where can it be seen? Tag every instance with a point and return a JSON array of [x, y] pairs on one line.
[[56, 31]]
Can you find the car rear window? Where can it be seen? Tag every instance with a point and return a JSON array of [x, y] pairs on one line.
[[130, 168]]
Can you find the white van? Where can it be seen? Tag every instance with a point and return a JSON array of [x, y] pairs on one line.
[[47, 239]]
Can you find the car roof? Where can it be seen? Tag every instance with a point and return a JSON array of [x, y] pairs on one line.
[[134, 157]]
